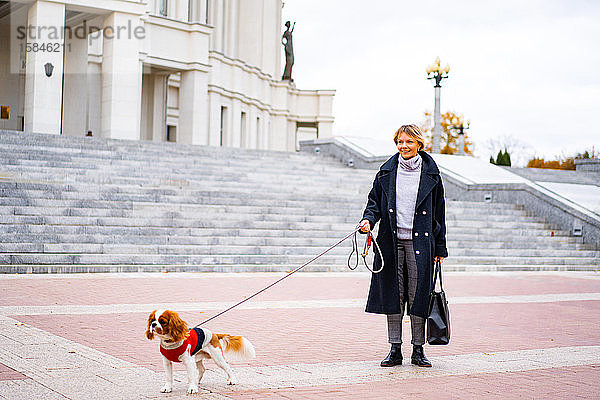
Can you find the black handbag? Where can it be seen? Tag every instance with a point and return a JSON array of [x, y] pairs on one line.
[[438, 322]]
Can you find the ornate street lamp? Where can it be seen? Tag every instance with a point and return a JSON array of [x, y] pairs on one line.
[[438, 73], [460, 125]]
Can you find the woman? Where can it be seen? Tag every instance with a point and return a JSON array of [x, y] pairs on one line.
[[407, 199]]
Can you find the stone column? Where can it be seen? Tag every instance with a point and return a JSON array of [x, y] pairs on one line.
[[197, 11], [94, 97], [278, 133], [43, 94], [292, 135], [250, 33], [193, 108], [253, 128], [271, 38], [202, 16], [325, 118], [235, 138], [121, 78], [75, 90], [232, 29], [159, 107], [217, 21], [214, 126]]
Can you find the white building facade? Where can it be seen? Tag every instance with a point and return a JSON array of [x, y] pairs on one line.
[[205, 72]]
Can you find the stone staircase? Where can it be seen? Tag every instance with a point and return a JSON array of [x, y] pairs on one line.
[[93, 205]]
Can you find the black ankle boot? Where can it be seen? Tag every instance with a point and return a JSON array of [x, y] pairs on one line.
[[418, 357], [395, 356]]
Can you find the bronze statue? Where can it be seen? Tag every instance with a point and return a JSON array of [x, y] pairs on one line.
[[289, 51]]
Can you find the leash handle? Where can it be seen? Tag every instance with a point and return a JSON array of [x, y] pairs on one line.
[[370, 240]]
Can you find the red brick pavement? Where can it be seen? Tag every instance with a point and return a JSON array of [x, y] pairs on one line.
[[284, 336], [8, 374], [287, 336], [111, 290], [543, 384]]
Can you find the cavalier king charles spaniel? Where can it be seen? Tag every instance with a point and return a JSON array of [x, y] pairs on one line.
[[191, 346]]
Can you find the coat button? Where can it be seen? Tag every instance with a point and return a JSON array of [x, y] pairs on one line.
[[391, 210], [424, 212], [416, 233], [426, 233], [417, 252]]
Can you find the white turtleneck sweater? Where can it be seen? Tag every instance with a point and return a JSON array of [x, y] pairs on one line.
[[407, 186]]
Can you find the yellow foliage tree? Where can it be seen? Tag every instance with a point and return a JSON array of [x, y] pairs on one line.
[[449, 139], [567, 163]]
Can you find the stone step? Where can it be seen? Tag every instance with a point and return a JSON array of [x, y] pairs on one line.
[[224, 221], [263, 214], [216, 196], [168, 175], [283, 269], [286, 186], [319, 239], [21, 206], [28, 206], [234, 249], [539, 242], [41, 163], [127, 149], [524, 233], [184, 184], [266, 231], [285, 261]]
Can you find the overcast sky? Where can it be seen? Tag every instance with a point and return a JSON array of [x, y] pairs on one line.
[[526, 72]]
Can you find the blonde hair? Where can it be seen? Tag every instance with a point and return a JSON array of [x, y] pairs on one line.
[[413, 131]]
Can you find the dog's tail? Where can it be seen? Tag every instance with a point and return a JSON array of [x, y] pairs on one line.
[[236, 348]]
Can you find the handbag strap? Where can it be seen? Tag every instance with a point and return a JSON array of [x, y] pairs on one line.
[[438, 271]]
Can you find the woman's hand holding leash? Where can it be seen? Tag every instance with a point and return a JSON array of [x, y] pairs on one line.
[[365, 226], [440, 259]]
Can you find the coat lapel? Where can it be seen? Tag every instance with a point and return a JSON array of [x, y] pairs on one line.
[[427, 184], [388, 181], [429, 178]]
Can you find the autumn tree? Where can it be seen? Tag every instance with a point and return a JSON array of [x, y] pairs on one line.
[[563, 161], [449, 139]]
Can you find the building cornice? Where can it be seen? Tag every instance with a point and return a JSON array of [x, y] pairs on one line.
[[134, 7], [177, 24], [236, 62]]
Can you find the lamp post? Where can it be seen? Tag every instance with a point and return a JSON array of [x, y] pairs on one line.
[[435, 71], [460, 125]]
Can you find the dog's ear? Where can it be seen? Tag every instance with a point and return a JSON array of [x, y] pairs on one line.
[[149, 333], [177, 327]]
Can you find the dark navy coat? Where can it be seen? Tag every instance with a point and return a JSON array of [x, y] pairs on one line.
[[429, 235]]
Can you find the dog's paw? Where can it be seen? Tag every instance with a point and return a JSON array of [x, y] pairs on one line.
[[166, 389], [192, 389]]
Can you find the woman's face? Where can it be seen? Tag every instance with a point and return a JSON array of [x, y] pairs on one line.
[[407, 146]]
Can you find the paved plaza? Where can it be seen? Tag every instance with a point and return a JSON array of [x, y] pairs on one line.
[[531, 335]]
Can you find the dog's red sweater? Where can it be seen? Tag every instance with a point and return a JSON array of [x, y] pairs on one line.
[[195, 340]]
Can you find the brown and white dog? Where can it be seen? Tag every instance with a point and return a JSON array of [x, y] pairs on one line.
[[191, 346]]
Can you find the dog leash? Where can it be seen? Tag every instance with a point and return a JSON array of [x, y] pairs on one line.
[[364, 254]]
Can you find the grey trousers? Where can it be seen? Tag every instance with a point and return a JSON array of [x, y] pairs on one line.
[[407, 279]]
